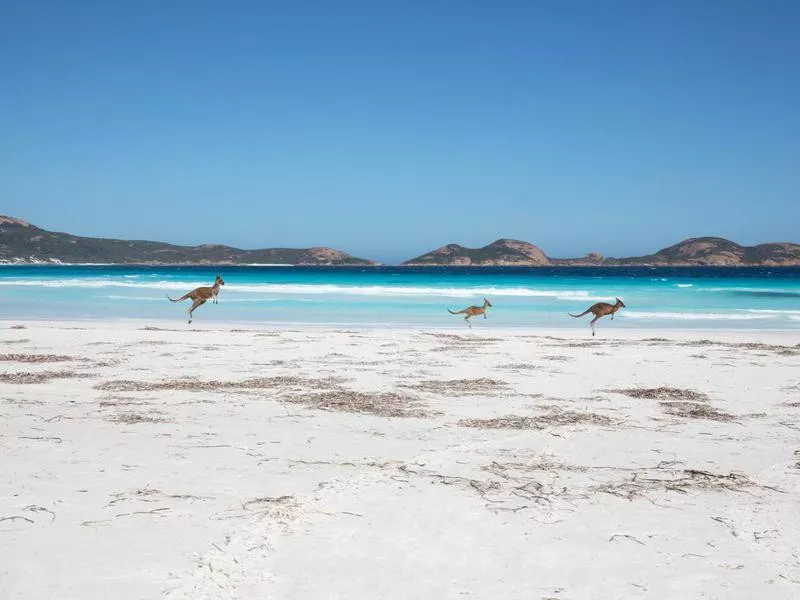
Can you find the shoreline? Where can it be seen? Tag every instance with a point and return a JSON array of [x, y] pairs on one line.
[[567, 332]]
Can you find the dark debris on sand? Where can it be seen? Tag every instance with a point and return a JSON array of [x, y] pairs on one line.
[[131, 418], [520, 486], [776, 348], [682, 481], [680, 402], [383, 404], [194, 385], [34, 358], [695, 410], [662, 393], [507, 422], [40, 377], [327, 394], [459, 386], [554, 418], [520, 366]]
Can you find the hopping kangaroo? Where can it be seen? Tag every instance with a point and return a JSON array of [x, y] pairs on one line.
[[201, 295], [601, 309], [472, 311]]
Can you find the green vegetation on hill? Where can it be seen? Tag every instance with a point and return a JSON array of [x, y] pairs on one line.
[[22, 242]]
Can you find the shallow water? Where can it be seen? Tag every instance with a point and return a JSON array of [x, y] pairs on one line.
[[707, 297]]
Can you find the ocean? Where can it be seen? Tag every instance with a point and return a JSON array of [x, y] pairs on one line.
[[685, 298]]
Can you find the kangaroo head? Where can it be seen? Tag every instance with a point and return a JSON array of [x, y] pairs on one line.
[[486, 302], [620, 303], [218, 280]]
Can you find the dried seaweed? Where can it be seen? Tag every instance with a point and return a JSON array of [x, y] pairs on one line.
[[194, 385], [112, 400], [507, 422], [777, 348], [558, 418], [34, 358], [542, 463], [662, 393], [568, 417], [682, 481], [384, 404], [131, 418], [459, 386], [520, 366], [26, 377], [695, 410], [545, 483]]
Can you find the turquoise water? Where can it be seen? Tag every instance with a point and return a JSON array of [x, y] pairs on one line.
[[762, 298]]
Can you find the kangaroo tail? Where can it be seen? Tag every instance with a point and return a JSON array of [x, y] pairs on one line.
[[580, 315], [454, 313], [178, 299]]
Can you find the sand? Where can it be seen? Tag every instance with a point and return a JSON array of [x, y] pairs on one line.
[[237, 462]]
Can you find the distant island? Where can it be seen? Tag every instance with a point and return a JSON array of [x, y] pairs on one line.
[[705, 251], [23, 243]]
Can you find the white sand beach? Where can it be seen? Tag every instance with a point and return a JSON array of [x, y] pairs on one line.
[[151, 460]]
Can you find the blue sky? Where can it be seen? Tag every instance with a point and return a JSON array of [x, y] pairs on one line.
[[388, 128]]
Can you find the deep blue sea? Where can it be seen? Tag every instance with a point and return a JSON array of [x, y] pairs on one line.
[[696, 298]]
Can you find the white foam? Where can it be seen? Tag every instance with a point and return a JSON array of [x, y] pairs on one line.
[[694, 316], [313, 289], [769, 311], [94, 283], [135, 298], [747, 289], [684, 285]]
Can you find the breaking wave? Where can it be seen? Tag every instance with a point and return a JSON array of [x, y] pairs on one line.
[[315, 289], [695, 316]]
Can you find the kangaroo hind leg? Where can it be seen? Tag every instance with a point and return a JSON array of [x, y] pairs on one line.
[[591, 323], [195, 304]]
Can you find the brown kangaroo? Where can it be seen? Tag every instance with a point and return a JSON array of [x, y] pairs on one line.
[[201, 295], [472, 311], [601, 309]]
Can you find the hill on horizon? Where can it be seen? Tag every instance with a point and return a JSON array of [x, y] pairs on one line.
[[21, 242], [24, 243], [702, 251]]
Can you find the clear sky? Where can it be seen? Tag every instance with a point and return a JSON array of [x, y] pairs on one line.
[[387, 128]]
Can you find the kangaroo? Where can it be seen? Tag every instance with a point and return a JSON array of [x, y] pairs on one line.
[[201, 295], [472, 311], [601, 309]]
